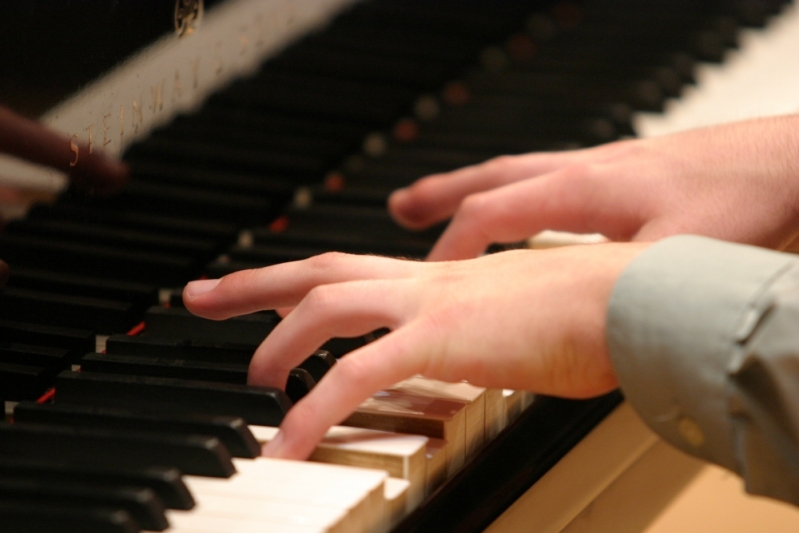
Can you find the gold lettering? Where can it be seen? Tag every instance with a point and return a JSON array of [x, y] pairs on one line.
[[177, 89], [136, 113], [75, 150], [157, 94], [90, 129], [106, 127], [121, 121], [195, 72]]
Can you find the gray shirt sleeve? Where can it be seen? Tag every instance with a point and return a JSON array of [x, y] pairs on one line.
[[704, 338]]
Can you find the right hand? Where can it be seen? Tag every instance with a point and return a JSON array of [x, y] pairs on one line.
[[737, 182]]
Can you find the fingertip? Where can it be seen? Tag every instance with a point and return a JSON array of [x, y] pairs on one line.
[[195, 289], [405, 210]]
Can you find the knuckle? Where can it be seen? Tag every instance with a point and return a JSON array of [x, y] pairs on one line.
[[475, 206], [353, 371], [327, 261], [500, 164], [320, 299]]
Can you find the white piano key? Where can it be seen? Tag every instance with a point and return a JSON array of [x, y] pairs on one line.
[[358, 491], [401, 455]]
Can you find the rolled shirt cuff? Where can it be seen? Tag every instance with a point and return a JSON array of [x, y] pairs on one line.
[[677, 318]]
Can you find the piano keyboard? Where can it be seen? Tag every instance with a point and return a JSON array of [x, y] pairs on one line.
[[296, 160]]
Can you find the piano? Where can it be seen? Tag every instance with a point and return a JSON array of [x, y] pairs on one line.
[[265, 131]]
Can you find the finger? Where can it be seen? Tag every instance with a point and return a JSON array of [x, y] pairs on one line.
[[30, 140], [437, 197], [284, 285], [346, 309], [347, 385], [568, 200]]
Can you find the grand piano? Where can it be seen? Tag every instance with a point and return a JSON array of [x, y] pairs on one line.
[[258, 132]]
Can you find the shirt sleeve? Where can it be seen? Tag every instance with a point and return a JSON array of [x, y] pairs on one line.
[[704, 339]]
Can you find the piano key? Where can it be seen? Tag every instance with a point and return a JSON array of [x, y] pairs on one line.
[[165, 482], [142, 294], [475, 406], [298, 385], [77, 341], [97, 261], [142, 504], [122, 238], [24, 517], [257, 405], [397, 499], [181, 324], [236, 120], [194, 202], [231, 432], [329, 149], [192, 350], [585, 88], [67, 310], [281, 483], [195, 152], [191, 454], [24, 382], [401, 411], [171, 173], [401, 455], [43, 356], [194, 227], [318, 364]]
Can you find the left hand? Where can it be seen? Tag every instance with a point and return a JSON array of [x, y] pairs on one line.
[[532, 320]]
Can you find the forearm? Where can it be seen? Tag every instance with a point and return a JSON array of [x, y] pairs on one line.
[[704, 338]]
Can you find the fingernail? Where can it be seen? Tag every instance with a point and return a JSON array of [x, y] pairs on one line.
[[200, 287], [400, 195], [274, 448]]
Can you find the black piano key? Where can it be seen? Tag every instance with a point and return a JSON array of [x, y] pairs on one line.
[[105, 263], [142, 503], [193, 202], [329, 149], [173, 323], [78, 210], [341, 346], [299, 382], [333, 223], [119, 238], [231, 121], [25, 517], [165, 482], [191, 454], [67, 310], [223, 266], [266, 255], [172, 173], [318, 364], [77, 341], [257, 405], [643, 95], [417, 74], [43, 356], [24, 382], [142, 294], [196, 153], [142, 345], [192, 350], [309, 95], [232, 432]]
